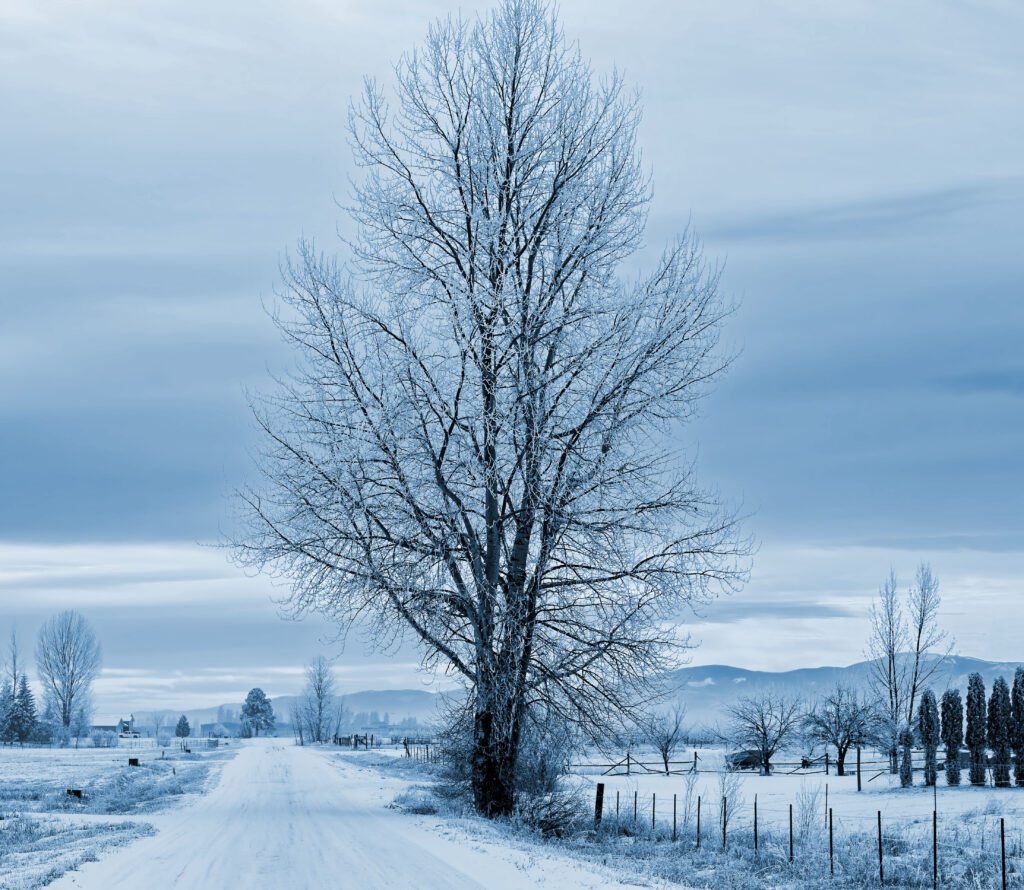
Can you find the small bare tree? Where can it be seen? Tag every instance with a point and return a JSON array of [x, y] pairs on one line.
[[663, 730], [68, 659], [764, 723], [841, 718], [472, 449]]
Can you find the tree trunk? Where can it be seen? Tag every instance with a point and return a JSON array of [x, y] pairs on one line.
[[841, 761], [493, 767]]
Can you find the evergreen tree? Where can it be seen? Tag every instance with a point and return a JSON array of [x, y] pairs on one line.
[[183, 730], [952, 733], [928, 729], [906, 740], [24, 717], [1017, 714], [7, 700], [999, 732], [976, 727], [257, 711]]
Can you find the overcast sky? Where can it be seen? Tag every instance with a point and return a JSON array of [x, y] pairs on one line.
[[859, 167]]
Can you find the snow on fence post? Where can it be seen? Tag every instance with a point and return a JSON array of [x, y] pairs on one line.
[[598, 805], [881, 865]]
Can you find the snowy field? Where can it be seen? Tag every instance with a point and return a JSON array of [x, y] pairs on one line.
[[45, 832], [284, 817]]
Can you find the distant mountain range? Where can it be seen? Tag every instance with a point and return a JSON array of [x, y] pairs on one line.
[[705, 691], [708, 689]]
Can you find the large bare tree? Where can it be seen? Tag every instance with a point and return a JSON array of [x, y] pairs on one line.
[[68, 659], [481, 444], [764, 723], [319, 708]]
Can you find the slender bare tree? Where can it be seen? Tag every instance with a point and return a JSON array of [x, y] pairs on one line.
[[930, 646], [887, 643], [68, 659], [319, 702], [16, 668], [478, 446]]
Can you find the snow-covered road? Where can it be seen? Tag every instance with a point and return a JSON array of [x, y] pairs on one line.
[[285, 817]]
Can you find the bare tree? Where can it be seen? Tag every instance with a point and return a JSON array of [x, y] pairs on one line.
[[887, 643], [472, 450], [764, 723], [925, 635], [663, 730], [14, 658], [319, 705], [842, 719], [68, 660], [906, 648]]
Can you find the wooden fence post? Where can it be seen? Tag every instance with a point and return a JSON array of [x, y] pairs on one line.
[[616, 808], [627, 763], [755, 824], [826, 802], [598, 805], [881, 865], [654, 797], [826, 763], [698, 821], [725, 818], [858, 767], [1002, 843], [695, 761], [673, 818], [791, 832], [831, 861], [634, 807], [935, 849]]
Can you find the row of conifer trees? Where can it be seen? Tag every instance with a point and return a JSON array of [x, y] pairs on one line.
[[996, 727]]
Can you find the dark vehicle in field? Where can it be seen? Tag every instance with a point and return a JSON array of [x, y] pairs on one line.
[[740, 760]]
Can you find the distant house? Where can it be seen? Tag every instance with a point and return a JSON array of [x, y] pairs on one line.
[[126, 728]]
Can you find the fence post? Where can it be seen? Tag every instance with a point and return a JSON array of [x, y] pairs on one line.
[[725, 818], [831, 861], [695, 761], [654, 797], [698, 821], [826, 763], [935, 849], [858, 767], [627, 763], [755, 824], [616, 809], [1002, 844], [673, 818], [791, 833], [634, 807], [881, 866], [598, 805], [826, 801]]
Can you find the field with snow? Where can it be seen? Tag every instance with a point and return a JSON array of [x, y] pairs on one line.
[[45, 832]]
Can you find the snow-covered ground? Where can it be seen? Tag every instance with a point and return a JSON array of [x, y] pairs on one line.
[[44, 832], [286, 817]]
